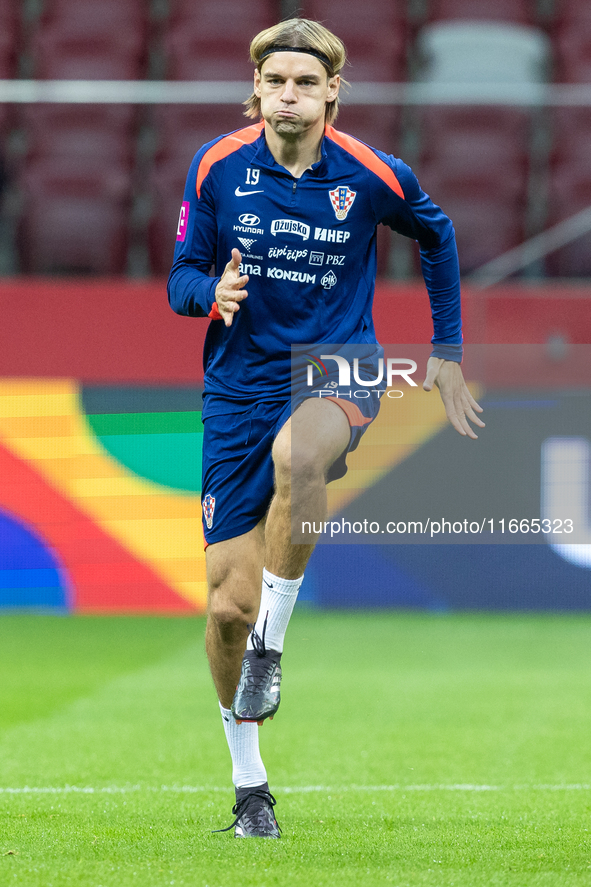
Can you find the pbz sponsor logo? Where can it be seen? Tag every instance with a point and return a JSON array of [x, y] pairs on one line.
[[285, 274], [290, 226]]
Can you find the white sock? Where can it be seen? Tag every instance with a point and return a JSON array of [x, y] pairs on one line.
[[243, 741], [278, 599]]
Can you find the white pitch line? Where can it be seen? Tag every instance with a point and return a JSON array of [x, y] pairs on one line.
[[302, 789]]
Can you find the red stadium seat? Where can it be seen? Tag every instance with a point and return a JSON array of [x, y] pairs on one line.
[[570, 192], [208, 39], [376, 125], [478, 141], [167, 187], [98, 16], [103, 133], [91, 41], [572, 45], [9, 38], [485, 226], [74, 219], [374, 33], [518, 11], [182, 129]]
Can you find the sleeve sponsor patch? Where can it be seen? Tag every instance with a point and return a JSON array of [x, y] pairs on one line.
[[183, 220]]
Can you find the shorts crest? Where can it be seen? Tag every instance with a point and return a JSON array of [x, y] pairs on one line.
[[208, 510]]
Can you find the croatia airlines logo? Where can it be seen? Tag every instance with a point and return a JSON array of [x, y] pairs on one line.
[[181, 231], [342, 200], [208, 510]]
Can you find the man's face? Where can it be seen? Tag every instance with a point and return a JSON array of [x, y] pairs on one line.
[[294, 88]]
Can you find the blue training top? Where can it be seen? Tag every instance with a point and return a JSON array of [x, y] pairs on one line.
[[309, 248]]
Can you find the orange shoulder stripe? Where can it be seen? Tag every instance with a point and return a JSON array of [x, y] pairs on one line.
[[367, 157], [224, 147]]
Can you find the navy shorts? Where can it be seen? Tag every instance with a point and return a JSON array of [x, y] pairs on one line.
[[238, 480]]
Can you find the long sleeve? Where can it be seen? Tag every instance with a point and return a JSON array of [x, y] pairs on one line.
[[191, 290]]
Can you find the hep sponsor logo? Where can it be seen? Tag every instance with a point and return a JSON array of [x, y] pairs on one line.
[[292, 255], [342, 200], [181, 231], [331, 236], [290, 226]]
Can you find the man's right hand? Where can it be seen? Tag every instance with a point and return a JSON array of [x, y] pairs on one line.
[[229, 292]]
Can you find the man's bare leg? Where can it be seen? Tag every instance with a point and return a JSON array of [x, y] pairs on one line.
[[234, 577], [304, 450]]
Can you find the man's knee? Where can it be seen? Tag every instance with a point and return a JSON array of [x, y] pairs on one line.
[[297, 461], [230, 616], [234, 575]]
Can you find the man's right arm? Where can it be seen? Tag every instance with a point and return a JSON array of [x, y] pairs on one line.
[[191, 291]]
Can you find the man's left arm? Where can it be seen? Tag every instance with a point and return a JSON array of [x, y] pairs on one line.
[[416, 216]]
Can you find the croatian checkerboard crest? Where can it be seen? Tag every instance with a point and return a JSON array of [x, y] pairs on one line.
[[342, 200]]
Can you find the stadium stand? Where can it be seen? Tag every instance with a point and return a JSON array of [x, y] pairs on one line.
[[96, 133], [75, 217], [474, 160], [82, 39], [570, 187], [180, 131], [208, 39], [570, 162], [572, 42], [9, 49], [375, 35], [518, 11]]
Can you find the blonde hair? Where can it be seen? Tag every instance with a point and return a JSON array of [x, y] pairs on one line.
[[301, 33]]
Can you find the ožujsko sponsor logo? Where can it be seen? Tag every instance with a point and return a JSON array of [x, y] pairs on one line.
[[286, 274], [278, 252], [290, 226]]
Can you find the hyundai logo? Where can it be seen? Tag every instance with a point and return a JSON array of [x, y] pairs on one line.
[[249, 219]]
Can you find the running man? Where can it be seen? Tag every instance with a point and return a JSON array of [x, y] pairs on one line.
[[286, 211]]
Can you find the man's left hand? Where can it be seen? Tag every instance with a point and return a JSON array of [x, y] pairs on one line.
[[457, 400]]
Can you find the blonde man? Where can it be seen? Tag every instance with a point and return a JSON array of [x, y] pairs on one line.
[[294, 203]]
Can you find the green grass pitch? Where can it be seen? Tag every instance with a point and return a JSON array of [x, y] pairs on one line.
[[409, 750]]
